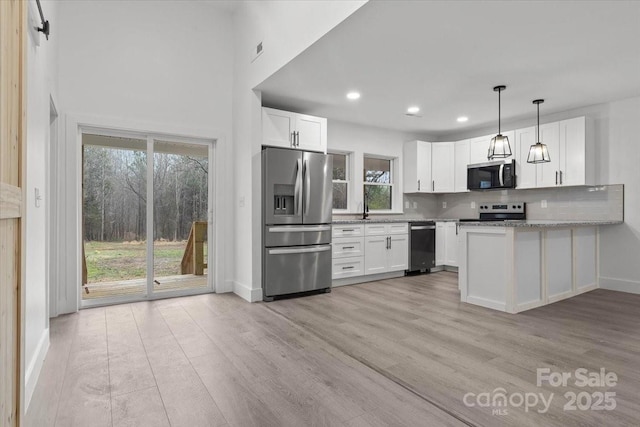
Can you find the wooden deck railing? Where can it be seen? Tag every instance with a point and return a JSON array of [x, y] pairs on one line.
[[193, 258]]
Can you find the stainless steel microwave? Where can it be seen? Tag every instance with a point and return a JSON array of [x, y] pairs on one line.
[[491, 175]]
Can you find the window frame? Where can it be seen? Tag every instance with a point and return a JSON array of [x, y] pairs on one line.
[[390, 184], [347, 173]]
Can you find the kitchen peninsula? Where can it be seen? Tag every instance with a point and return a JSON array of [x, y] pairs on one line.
[[514, 266]]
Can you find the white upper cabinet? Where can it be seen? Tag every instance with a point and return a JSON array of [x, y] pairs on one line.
[[526, 173], [416, 167], [461, 160], [571, 156], [293, 130], [548, 173], [576, 161], [479, 147], [442, 167]]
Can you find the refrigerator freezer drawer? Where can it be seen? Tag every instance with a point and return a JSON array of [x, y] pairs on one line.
[[289, 270], [296, 235]]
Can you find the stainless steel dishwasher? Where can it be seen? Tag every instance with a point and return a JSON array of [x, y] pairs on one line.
[[422, 246]]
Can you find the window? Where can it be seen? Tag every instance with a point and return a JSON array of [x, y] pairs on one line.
[[378, 183], [340, 180]]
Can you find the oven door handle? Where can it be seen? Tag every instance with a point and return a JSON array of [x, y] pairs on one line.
[[299, 250], [424, 227], [501, 175]]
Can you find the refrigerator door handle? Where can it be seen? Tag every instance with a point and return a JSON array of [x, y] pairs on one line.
[[297, 193], [286, 229], [307, 187], [299, 250]]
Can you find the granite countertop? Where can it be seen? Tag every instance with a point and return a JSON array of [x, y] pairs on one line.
[[537, 223], [375, 220]]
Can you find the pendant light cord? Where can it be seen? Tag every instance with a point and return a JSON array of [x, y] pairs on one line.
[[538, 140], [499, 90]]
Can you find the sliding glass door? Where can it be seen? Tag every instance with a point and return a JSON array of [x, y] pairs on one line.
[[180, 216], [140, 186]]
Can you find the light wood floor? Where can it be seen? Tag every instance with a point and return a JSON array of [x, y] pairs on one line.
[[389, 353]]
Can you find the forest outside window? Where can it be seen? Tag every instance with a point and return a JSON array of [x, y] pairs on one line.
[[340, 180], [378, 183]]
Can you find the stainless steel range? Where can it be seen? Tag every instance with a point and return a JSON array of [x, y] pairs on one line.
[[297, 195], [512, 211]]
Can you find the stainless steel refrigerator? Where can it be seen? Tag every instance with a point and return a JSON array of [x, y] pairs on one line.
[[297, 195]]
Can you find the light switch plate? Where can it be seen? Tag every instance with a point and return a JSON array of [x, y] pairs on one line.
[[406, 204], [473, 205], [415, 205], [543, 204]]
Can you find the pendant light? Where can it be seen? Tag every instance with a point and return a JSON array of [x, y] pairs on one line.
[[499, 146], [538, 152]]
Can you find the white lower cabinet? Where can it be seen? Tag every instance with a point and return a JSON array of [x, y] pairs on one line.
[[447, 244], [383, 248], [348, 267], [375, 260], [398, 256]]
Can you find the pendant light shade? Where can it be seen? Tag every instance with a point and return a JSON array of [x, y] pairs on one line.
[[538, 152], [499, 147]]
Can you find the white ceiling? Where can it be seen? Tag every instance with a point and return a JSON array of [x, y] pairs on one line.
[[446, 56]]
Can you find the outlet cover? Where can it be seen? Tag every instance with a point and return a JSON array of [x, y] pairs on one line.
[[444, 205], [543, 204], [415, 205], [406, 204], [473, 205]]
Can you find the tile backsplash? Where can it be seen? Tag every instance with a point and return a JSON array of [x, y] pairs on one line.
[[604, 202]]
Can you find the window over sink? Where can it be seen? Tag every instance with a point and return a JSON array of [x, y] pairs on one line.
[[378, 183]]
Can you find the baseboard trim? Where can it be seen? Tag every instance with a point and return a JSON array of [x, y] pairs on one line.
[[247, 293], [363, 279], [630, 286], [34, 367]]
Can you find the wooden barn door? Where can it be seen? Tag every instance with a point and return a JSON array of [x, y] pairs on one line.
[[12, 135]]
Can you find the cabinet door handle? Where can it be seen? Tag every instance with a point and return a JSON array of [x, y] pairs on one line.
[[348, 247], [418, 185], [297, 138], [389, 242], [293, 139], [348, 229], [347, 268], [433, 186], [560, 177], [556, 177]]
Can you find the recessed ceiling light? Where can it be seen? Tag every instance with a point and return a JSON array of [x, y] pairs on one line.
[[353, 95], [413, 110], [462, 119]]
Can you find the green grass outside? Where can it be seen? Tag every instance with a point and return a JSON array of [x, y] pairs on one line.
[[112, 261]]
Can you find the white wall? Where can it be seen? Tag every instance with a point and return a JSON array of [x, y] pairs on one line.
[[620, 245], [159, 66], [42, 79], [359, 140], [286, 28]]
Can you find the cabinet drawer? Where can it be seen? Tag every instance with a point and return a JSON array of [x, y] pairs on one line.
[[382, 228], [398, 228], [347, 230], [348, 267], [344, 247], [376, 229]]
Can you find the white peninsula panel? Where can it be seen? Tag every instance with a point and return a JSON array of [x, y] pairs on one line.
[[516, 266], [487, 246]]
